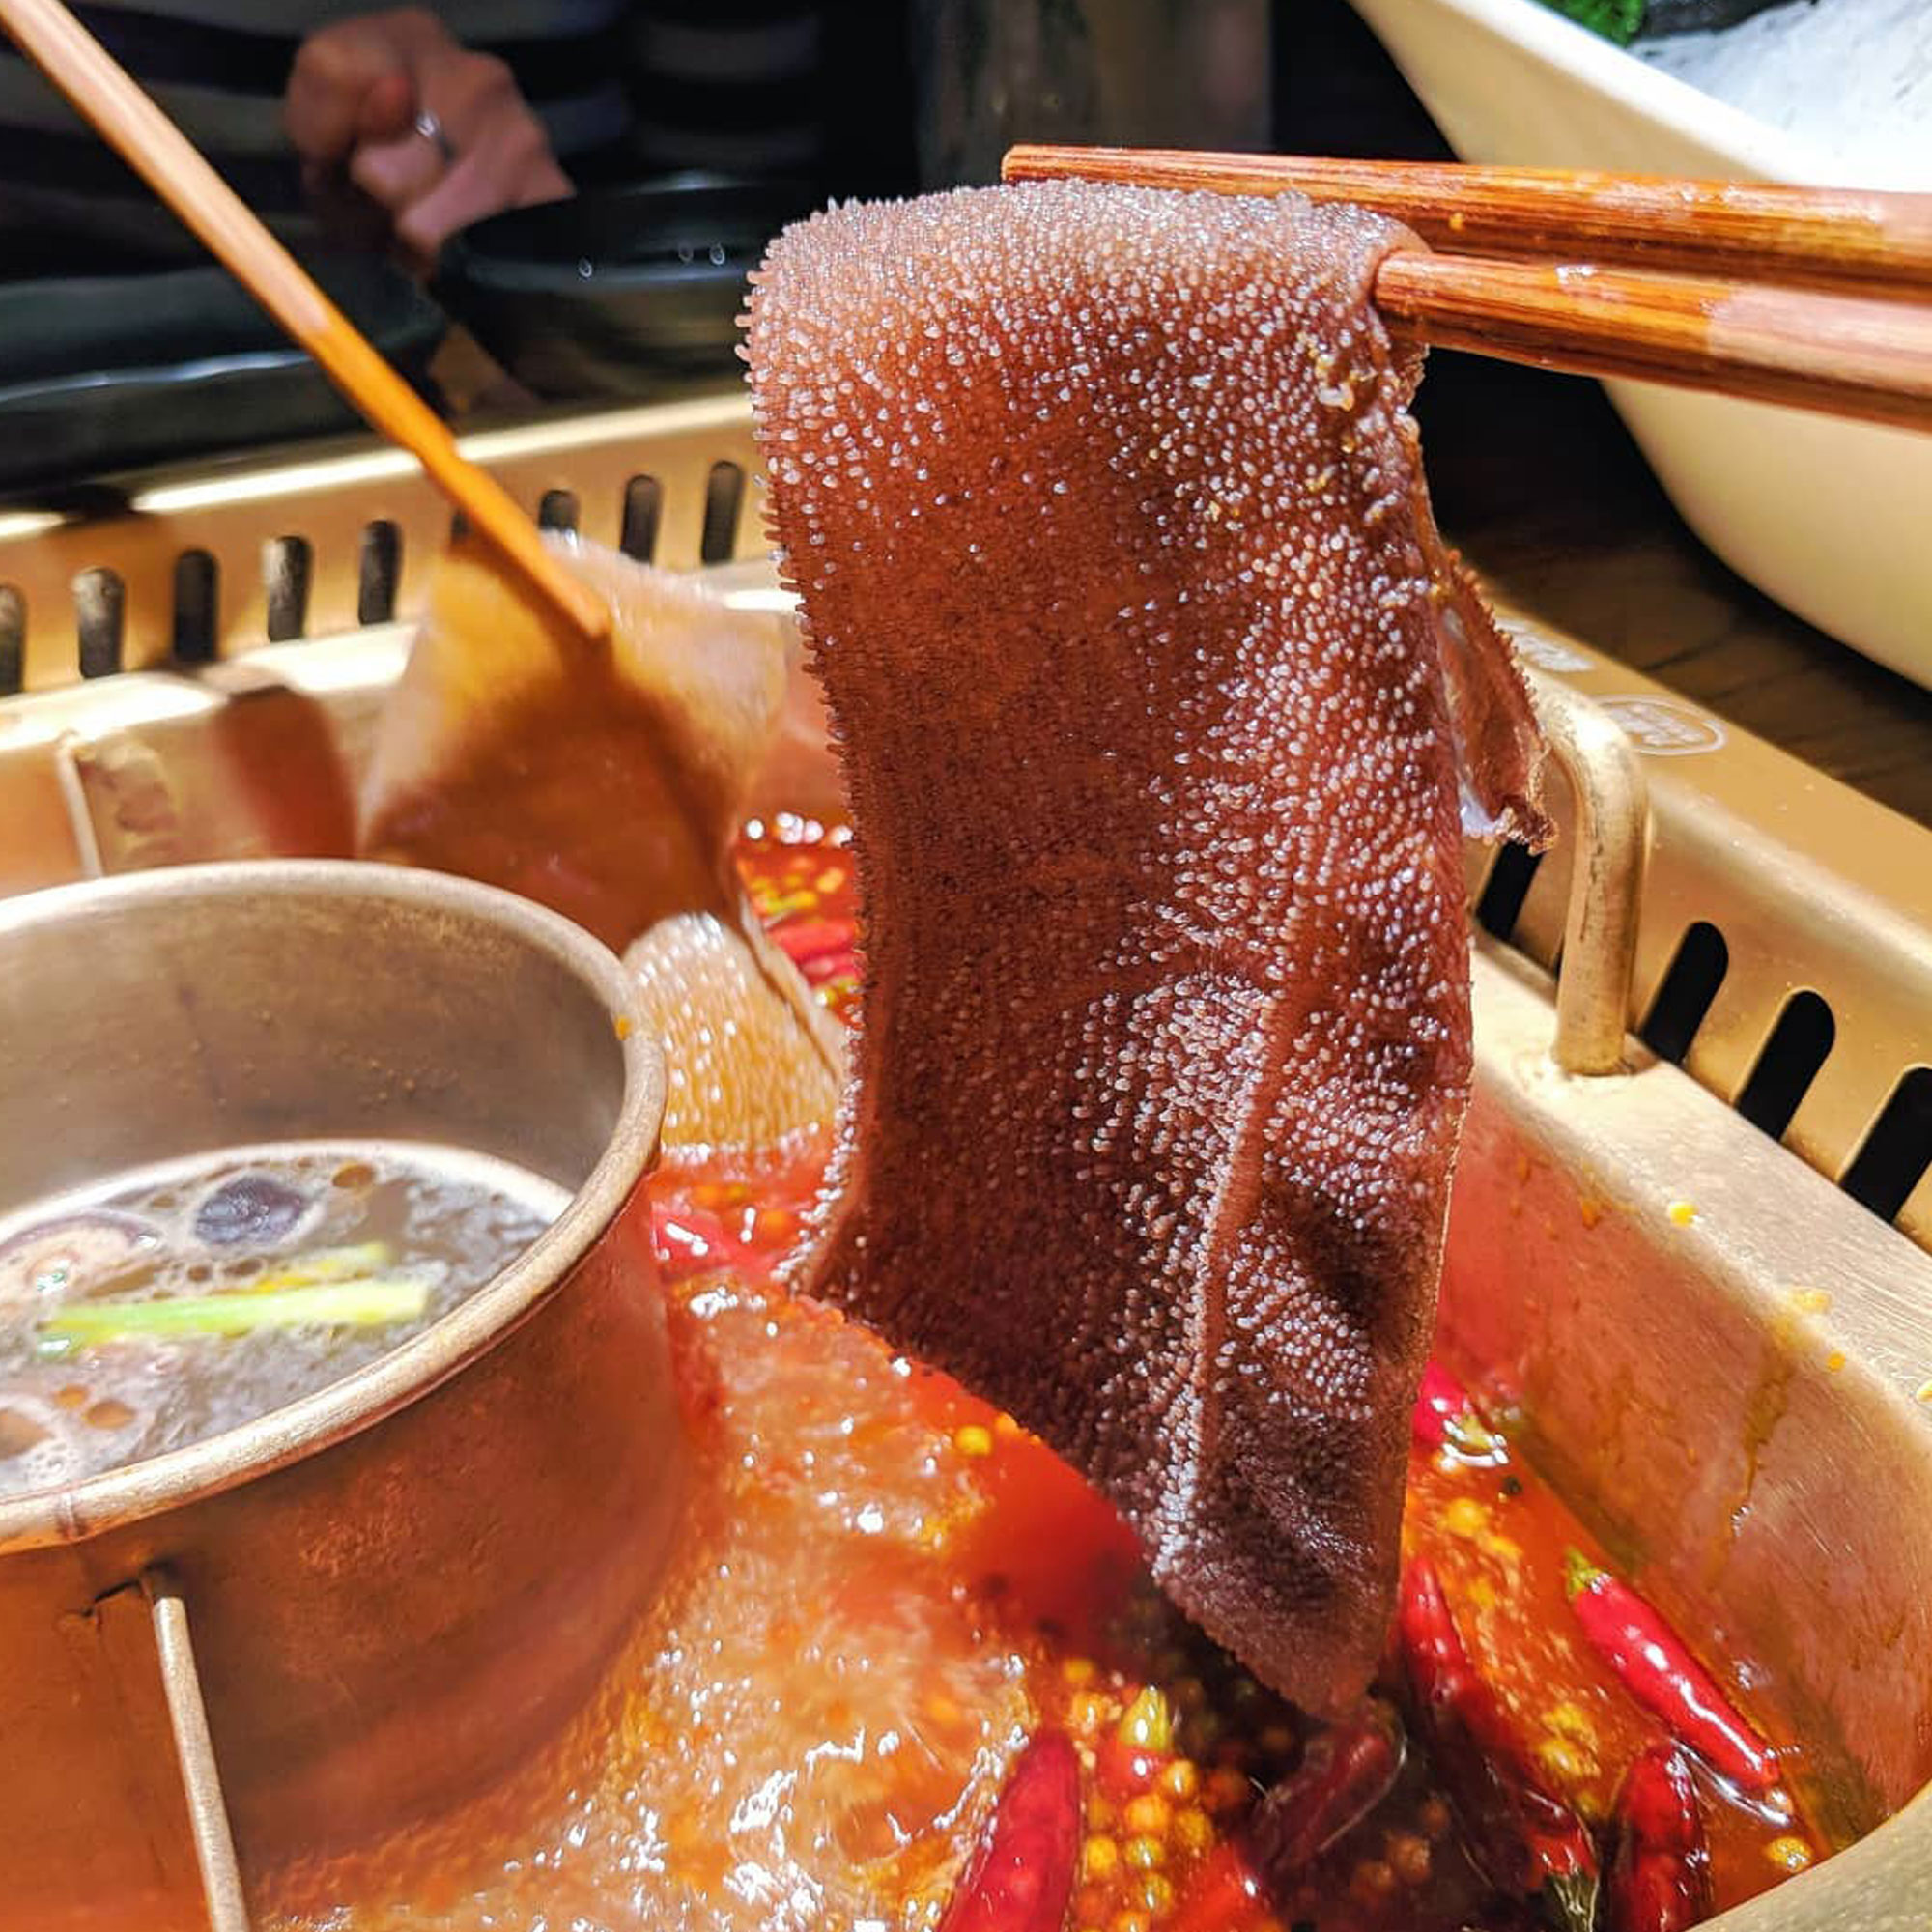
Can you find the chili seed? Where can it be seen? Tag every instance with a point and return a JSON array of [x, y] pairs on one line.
[[1192, 1831], [972, 1439], [108, 1414], [1203, 1731], [1188, 1693], [1409, 1855], [1182, 1779], [1372, 1880], [1564, 1761], [1156, 1894], [1148, 1816], [1432, 1815], [1100, 1859], [1465, 1516], [1144, 1854], [1226, 1789], [1789, 1854], [1133, 1922]]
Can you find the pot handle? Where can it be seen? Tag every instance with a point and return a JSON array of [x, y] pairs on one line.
[[1610, 832], [194, 1750]]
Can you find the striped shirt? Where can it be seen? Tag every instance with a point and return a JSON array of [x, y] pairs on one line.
[[623, 90]]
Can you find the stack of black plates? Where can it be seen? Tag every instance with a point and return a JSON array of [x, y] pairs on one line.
[[101, 373], [620, 292]]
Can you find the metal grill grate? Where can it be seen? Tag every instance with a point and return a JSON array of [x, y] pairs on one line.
[[1784, 952], [210, 565]]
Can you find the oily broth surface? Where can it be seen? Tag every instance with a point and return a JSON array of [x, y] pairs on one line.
[[444, 1216], [809, 1725]]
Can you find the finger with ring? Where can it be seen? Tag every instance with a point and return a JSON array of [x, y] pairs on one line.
[[432, 131]]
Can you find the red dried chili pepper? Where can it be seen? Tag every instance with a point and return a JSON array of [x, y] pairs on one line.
[[1653, 1666], [1346, 1771], [1022, 1875], [1523, 1837], [692, 1240], [824, 967], [1660, 1875], [1224, 1895], [805, 939], [1444, 1417]]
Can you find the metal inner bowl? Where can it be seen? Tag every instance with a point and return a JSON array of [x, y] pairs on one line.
[[403, 1584]]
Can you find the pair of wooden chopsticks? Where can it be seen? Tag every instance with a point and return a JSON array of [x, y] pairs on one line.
[[1819, 297]]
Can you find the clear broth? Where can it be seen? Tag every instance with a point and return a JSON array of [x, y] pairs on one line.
[[238, 1222]]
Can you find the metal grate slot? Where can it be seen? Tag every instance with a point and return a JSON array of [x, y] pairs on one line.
[[100, 607], [197, 602], [13, 640], [557, 510], [378, 569], [1689, 988], [288, 568], [1509, 882], [1898, 1150], [723, 495], [1793, 1056], [644, 505]]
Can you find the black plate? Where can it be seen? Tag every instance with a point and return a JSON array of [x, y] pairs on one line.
[[620, 292], [116, 372]]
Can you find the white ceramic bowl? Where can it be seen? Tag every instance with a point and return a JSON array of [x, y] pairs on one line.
[[1832, 519]]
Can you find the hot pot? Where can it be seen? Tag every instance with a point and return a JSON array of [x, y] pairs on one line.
[[1719, 1331], [356, 1608]]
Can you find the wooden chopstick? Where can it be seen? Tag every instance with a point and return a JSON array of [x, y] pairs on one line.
[[150, 144], [1871, 361], [1755, 336], [1851, 240]]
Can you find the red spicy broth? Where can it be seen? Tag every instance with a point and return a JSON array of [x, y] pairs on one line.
[[887, 1588]]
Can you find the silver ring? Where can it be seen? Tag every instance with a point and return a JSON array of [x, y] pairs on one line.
[[432, 131]]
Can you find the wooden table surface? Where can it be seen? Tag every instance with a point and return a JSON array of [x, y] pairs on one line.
[[1535, 478]]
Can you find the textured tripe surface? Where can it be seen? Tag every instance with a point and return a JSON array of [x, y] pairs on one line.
[[1147, 666]]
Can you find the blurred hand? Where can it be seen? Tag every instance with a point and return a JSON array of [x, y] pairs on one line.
[[354, 96]]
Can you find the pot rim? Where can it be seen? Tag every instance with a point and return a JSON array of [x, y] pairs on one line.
[[116, 1498]]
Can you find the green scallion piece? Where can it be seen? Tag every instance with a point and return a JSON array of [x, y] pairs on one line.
[[373, 1303]]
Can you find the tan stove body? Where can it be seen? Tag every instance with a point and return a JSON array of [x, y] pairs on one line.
[[1720, 1348]]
